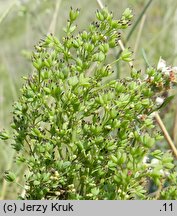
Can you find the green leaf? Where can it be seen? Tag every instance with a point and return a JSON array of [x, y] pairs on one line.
[[112, 165], [169, 165], [95, 191], [127, 14], [9, 176], [66, 164], [114, 159], [117, 178], [36, 183], [4, 135], [157, 154]]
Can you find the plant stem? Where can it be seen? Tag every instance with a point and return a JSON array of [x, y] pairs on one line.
[[166, 135]]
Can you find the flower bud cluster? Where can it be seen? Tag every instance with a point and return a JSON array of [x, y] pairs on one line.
[[81, 134]]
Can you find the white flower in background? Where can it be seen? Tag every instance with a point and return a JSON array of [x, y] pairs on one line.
[[174, 69], [149, 170], [145, 159], [152, 115], [146, 76], [139, 116], [161, 172], [159, 101], [154, 161], [167, 70], [137, 174], [142, 117], [161, 64], [164, 173], [119, 190], [163, 67]]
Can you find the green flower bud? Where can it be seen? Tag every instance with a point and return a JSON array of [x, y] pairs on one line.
[[104, 48], [4, 135], [113, 43], [73, 14], [105, 13], [36, 183], [114, 159], [115, 24], [47, 90], [9, 176], [126, 55], [148, 141], [99, 15], [117, 179], [84, 35], [127, 14], [99, 57]]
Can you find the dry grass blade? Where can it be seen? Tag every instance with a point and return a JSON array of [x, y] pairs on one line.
[[166, 135], [100, 4], [138, 20], [52, 26], [139, 35], [5, 14], [175, 129]]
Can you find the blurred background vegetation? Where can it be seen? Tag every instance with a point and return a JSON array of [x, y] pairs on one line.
[[24, 22]]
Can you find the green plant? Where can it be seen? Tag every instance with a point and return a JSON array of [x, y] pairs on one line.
[[82, 135]]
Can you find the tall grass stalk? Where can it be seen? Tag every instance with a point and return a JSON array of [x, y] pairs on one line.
[[7, 11], [52, 26], [139, 35]]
